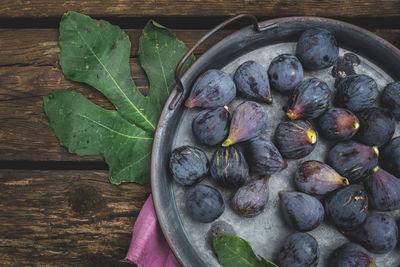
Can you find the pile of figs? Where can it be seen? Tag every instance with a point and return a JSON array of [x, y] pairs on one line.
[[362, 167]]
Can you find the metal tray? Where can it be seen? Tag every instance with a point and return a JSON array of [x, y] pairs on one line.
[[267, 231]]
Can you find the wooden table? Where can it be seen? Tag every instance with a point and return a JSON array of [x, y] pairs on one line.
[[55, 207]]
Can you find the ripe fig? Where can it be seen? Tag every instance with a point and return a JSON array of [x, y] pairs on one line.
[[263, 157], [285, 72], [211, 127], [317, 49], [250, 200], [390, 98], [348, 207], [383, 190], [251, 80], [204, 203], [218, 227], [377, 126], [228, 167], [315, 177], [356, 92], [212, 89], [301, 211], [351, 255], [295, 139], [378, 233], [299, 249], [391, 156], [248, 121], [338, 124], [353, 160], [310, 98], [187, 164]]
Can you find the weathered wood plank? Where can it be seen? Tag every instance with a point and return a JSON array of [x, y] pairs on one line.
[[24, 130], [74, 218], [142, 8]]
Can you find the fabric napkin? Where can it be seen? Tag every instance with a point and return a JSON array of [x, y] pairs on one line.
[[148, 245]]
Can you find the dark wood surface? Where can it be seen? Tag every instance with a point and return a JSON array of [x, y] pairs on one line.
[[57, 208]]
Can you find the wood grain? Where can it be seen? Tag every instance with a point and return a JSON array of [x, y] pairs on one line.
[[74, 218], [145, 8], [25, 133]]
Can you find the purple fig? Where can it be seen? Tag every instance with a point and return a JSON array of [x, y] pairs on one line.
[[338, 124], [383, 190], [295, 139], [250, 200], [315, 177], [263, 157], [212, 89], [351, 255], [249, 120]]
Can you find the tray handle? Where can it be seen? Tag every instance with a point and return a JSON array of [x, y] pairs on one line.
[[179, 85]]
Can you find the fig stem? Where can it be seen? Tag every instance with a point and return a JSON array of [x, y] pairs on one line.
[[376, 149], [312, 137], [291, 115], [356, 125], [270, 100], [345, 181], [189, 103], [227, 143], [377, 168]]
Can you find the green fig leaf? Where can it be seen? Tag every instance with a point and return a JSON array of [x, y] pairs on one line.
[[233, 251], [97, 53]]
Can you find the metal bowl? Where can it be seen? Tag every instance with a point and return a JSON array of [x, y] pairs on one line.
[[261, 42]]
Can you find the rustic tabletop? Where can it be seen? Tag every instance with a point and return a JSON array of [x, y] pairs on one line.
[[58, 208]]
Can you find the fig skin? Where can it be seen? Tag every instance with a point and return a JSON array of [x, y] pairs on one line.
[[344, 66], [310, 98], [263, 157], [301, 211], [351, 255], [211, 127], [295, 139], [315, 177], [390, 98], [377, 126], [356, 92], [338, 124], [353, 160], [285, 72], [250, 200], [248, 121], [391, 156], [188, 164], [228, 167], [348, 207], [212, 89], [252, 82], [383, 190], [378, 234], [299, 249]]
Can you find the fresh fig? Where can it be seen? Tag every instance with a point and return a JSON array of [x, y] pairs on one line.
[[353, 160], [317, 49], [301, 211], [204, 203], [390, 98], [285, 72], [338, 124], [383, 190], [348, 207], [212, 89], [377, 126], [250, 200], [351, 255], [263, 157], [315, 177], [248, 121], [295, 139], [378, 234], [309, 99], [299, 249], [228, 167], [391, 156], [211, 127], [356, 92], [187, 164], [251, 80]]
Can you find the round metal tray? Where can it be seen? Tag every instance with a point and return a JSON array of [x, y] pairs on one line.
[[267, 231]]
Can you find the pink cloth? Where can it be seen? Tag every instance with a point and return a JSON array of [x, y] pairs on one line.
[[148, 246]]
